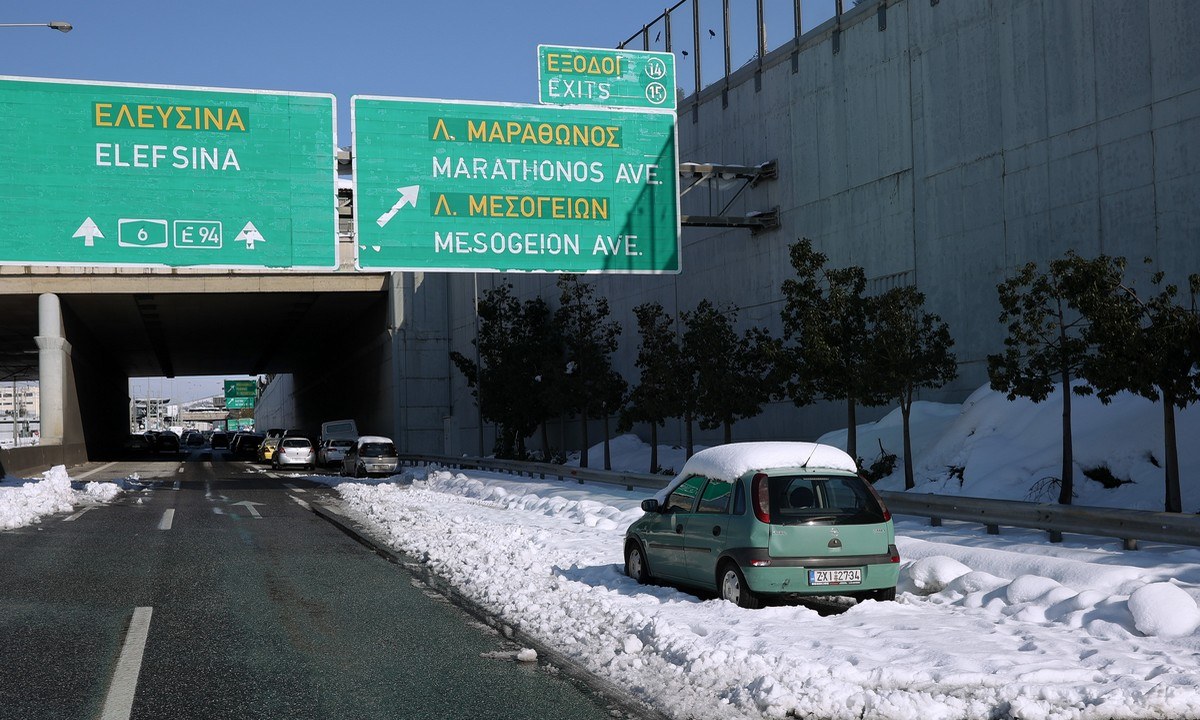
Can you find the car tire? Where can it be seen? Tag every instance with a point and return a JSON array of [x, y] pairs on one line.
[[881, 595], [360, 471], [731, 584], [635, 564]]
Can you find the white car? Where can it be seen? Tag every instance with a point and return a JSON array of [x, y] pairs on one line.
[[371, 455], [332, 452], [294, 451]]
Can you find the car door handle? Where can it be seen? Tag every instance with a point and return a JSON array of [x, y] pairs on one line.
[[716, 530]]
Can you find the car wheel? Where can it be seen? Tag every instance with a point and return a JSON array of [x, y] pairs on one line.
[[360, 471], [882, 595], [733, 587], [635, 564]]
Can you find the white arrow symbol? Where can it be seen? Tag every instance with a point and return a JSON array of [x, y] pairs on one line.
[[249, 235], [408, 196], [250, 506], [89, 232]]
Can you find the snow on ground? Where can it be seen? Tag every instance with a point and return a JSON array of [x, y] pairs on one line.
[[984, 626], [24, 502]]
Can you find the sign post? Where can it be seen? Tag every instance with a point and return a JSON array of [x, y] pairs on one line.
[[596, 76], [145, 175], [461, 186]]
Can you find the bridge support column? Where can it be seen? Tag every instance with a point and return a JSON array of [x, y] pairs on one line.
[[53, 350]]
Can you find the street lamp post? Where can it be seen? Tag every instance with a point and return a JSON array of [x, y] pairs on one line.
[[58, 25]]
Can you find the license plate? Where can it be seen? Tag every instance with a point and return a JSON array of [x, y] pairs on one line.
[[835, 577]]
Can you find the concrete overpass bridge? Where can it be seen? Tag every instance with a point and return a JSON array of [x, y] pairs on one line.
[[83, 332]]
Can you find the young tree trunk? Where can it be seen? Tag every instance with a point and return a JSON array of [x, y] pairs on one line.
[[1066, 488], [905, 414], [851, 430], [728, 431], [607, 449], [1174, 501], [583, 437], [653, 447], [545, 442], [691, 445]]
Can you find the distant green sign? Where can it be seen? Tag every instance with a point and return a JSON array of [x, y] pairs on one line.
[[240, 394], [241, 388], [443, 185], [147, 175], [596, 76]]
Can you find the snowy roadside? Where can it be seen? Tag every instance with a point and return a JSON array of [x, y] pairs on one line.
[[25, 502], [985, 627]]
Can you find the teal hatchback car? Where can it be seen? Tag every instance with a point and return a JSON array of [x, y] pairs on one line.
[[767, 519]]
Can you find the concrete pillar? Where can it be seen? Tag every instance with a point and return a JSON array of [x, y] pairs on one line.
[[52, 362]]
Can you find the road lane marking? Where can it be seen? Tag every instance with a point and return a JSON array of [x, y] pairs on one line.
[[249, 505], [167, 518], [79, 514], [218, 511], [81, 476], [293, 488], [301, 503], [118, 705]]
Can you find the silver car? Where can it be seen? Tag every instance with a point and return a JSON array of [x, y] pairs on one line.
[[369, 456], [293, 451]]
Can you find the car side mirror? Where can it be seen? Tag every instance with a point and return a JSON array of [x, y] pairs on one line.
[[650, 506]]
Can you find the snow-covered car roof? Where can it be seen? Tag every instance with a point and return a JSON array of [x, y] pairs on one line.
[[729, 462]]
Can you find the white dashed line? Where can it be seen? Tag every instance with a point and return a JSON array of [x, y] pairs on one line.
[[167, 518], [118, 704]]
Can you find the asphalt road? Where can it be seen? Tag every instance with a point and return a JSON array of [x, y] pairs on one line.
[[212, 592]]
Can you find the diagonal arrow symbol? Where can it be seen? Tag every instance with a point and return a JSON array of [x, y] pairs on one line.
[[408, 196]]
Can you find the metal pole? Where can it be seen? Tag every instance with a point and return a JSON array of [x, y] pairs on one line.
[[725, 11], [478, 366], [696, 48]]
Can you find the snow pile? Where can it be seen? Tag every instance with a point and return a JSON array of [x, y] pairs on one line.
[[985, 627], [629, 454], [26, 502], [1012, 450]]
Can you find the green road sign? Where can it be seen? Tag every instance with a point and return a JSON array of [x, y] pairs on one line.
[[595, 76], [240, 394], [458, 186], [145, 175], [241, 388]]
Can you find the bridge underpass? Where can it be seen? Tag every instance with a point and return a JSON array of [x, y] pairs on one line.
[[330, 331]]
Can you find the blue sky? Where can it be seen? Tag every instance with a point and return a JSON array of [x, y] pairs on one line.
[[443, 49]]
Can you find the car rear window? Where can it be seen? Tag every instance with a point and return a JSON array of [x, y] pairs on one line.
[[341, 443], [810, 498], [377, 450], [296, 442]]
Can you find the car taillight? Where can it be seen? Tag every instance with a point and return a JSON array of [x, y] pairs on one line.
[[759, 493], [887, 514], [894, 554]]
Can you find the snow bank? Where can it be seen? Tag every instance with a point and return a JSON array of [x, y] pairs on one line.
[[24, 502], [984, 628]]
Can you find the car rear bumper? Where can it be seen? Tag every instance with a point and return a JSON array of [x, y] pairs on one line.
[[790, 575], [286, 460]]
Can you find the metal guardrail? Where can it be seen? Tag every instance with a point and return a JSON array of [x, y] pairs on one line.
[[1129, 526]]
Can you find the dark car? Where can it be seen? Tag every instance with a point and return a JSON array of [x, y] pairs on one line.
[[166, 441], [219, 440], [245, 445]]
